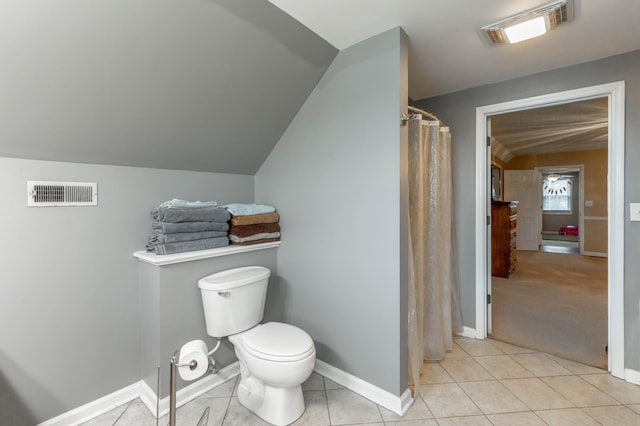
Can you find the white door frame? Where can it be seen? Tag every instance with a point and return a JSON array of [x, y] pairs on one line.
[[616, 93]]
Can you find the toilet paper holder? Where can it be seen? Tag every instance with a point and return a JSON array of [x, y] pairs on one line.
[[211, 369]]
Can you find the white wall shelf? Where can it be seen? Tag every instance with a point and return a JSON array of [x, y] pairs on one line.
[[168, 259]]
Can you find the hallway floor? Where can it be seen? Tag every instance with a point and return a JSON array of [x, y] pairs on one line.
[[481, 382]]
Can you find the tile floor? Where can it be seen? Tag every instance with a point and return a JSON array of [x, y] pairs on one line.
[[482, 382]]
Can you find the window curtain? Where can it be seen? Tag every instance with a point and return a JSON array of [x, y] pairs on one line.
[[434, 309]]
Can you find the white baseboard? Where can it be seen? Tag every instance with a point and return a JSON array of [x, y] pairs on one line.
[[147, 396], [632, 376], [397, 404], [468, 332], [95, 408], [188, 393]]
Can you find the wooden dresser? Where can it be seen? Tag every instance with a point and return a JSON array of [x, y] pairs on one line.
[[504, 228]]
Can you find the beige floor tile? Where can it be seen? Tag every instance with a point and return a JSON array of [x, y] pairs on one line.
[[347, 407], [237, 415], [536, 394], [624, 392], [465, 369], [448, 400], [510, 349], [109, 418], [492, 397], [330, 384], [433, 372], [540, 364], [192, 412], [613, 415], [475, 347], [635, 407], [503, 367], [431, 422], [316, 410], [577, 368], [315, 382], [465, 421], [417, 411], [566, 417], [456, 351], [138, 414], [521, 419], [578, 391]]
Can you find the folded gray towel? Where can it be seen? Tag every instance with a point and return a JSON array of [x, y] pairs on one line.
[[172, 228], [184, 246], [160, 238], [177, 215]]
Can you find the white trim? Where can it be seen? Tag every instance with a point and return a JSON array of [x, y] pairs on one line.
[[95, 408], [632, 376], [190, 392], [397, 404], [615, 186], [141, 390], [595, 254], [168, 259], [469, 332]]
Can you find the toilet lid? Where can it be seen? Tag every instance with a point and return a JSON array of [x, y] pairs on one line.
[[278, 342]]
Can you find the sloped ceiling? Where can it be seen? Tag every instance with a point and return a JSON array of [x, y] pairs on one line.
[[204, 85], [211, 85], [576, 126]]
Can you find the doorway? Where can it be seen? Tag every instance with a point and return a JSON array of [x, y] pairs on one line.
[[615, 203]]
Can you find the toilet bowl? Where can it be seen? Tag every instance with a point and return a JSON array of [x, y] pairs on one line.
[[275, 358]]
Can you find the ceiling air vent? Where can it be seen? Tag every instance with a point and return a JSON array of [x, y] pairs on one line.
[[61, 194]]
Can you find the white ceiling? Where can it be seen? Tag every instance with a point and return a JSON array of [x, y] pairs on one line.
[[445, 42]]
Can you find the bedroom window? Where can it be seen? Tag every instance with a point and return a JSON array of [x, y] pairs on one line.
[[556, 194]]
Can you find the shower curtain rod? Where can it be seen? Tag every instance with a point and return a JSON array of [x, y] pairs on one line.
[[428, 114]]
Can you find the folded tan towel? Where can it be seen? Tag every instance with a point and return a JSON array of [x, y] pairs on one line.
[[246, 243], [255, 218], [259, 228]]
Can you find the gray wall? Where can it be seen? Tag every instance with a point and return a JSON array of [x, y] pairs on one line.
[[70, 306], [335, 176], [458, 111]]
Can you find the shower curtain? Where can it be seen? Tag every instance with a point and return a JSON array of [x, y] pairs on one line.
[[434, 310]]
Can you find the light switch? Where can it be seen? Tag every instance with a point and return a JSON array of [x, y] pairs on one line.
[[635, 211], [588, 203]]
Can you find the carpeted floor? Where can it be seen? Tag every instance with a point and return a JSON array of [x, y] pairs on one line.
[[555, 303]]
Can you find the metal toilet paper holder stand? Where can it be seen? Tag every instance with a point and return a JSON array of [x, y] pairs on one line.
[[173, 370]]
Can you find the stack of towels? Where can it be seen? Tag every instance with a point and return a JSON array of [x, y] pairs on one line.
[[180, 226], [253, 224]]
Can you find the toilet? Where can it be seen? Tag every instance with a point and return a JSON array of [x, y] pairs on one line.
[[275, 358]]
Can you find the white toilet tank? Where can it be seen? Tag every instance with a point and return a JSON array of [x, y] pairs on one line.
[[233, 300]]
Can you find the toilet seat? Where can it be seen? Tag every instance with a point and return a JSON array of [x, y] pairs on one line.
[[275, 341]]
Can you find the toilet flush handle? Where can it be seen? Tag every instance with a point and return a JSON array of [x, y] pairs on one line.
[[224, 293]]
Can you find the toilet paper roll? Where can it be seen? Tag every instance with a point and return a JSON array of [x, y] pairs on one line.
[[193, 351]]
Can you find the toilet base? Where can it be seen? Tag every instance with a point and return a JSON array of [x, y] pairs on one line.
[[276, 405]]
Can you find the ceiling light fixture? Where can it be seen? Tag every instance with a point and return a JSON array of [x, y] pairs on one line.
[[529, 24]]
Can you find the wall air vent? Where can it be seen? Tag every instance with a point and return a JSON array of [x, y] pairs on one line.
[[61, 194]]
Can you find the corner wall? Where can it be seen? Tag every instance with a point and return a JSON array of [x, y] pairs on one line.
[[336, 178], [458, 109], [70, 314]]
